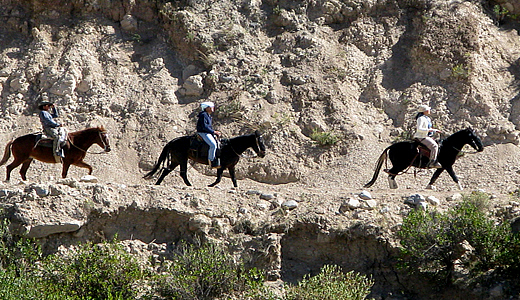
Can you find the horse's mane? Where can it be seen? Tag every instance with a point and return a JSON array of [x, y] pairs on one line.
[[95, 129]]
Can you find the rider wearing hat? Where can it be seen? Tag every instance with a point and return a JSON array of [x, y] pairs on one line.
[[51, 127], [425, 132], [205, 130]]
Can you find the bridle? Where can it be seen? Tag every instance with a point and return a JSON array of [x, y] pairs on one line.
[[100, 133], [248, 156]]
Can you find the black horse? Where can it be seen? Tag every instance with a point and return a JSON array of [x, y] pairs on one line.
[[177, 152], [406, 154]]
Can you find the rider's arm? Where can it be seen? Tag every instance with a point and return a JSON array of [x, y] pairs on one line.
[[47, 120], [55, 113]]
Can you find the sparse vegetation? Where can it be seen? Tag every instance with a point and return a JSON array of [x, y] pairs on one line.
[[460, 71], [206, 272], [331, 284], [324, 138], [434, 243]]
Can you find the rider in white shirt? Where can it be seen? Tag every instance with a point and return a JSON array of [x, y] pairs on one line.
[[425, 132]]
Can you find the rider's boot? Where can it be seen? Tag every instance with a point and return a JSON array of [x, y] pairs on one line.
[[215, 164], [434, 164]]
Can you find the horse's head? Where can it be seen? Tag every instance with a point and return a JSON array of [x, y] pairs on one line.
[[474, 141], [103, 141], [259, 146]]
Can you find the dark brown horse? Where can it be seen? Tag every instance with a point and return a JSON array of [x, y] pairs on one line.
[[25, 149], [177, 152]]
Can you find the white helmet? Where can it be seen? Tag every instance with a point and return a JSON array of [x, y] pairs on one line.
[[423, 108], [207, 104]]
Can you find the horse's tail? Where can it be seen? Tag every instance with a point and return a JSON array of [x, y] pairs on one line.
[[7, 153], [162, 158], [379, 164]]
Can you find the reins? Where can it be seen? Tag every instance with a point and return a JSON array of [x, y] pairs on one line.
[[77, 147], [243, 155]]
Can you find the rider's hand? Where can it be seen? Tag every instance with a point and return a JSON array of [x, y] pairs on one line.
[[217, 133]]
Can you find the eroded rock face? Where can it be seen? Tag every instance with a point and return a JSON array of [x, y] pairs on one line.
[[289, 68]]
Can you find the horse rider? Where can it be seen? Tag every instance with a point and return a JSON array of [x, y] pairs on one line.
[[424, 133], [51, 128], [205, 130]]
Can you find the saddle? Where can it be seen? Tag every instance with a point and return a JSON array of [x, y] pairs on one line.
[[199, 148], [40, 139]]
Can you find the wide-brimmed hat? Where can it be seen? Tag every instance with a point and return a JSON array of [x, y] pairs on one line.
[[42, 104], [423, 108], [207, 104]]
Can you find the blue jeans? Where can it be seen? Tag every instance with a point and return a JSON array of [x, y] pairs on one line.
[[210, 140]]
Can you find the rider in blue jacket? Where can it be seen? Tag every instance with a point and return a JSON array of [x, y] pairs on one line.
[[51, 128], [205, 130]]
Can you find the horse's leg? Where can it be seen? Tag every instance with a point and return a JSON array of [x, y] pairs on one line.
[[80, 164], [450, 171], [164, 173], [434, 178], [65, 169], [24, 168], [16, 162], [392, 182], [219, 177], [184, 172], [232, 175]]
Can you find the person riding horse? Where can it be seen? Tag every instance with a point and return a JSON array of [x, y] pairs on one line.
[[205, 130], [424, 134], [51, 128]]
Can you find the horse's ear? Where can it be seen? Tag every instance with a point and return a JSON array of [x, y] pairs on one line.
[[102, 128], [258, 133]]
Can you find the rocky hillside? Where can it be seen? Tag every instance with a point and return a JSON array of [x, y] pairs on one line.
[[355, 70]]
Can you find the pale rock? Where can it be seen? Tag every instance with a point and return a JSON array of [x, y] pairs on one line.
[[199, 223], [454, 197], [369, 204], [193, 86], [267, 196], [365, 195], [89, 179], [290, 204], [129, 23], [349, 204], [433, 200], [43, 230]]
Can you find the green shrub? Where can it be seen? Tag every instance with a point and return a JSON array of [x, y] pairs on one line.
[[207, 272], [331, 284], [19, 268], [433, 243], [324, 138], [94, 271], [16, 253]]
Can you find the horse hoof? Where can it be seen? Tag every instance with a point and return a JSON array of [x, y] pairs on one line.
[[431, 187]]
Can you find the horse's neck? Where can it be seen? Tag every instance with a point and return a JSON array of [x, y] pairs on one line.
[[82, 139], [455, 141], [240, 144]]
